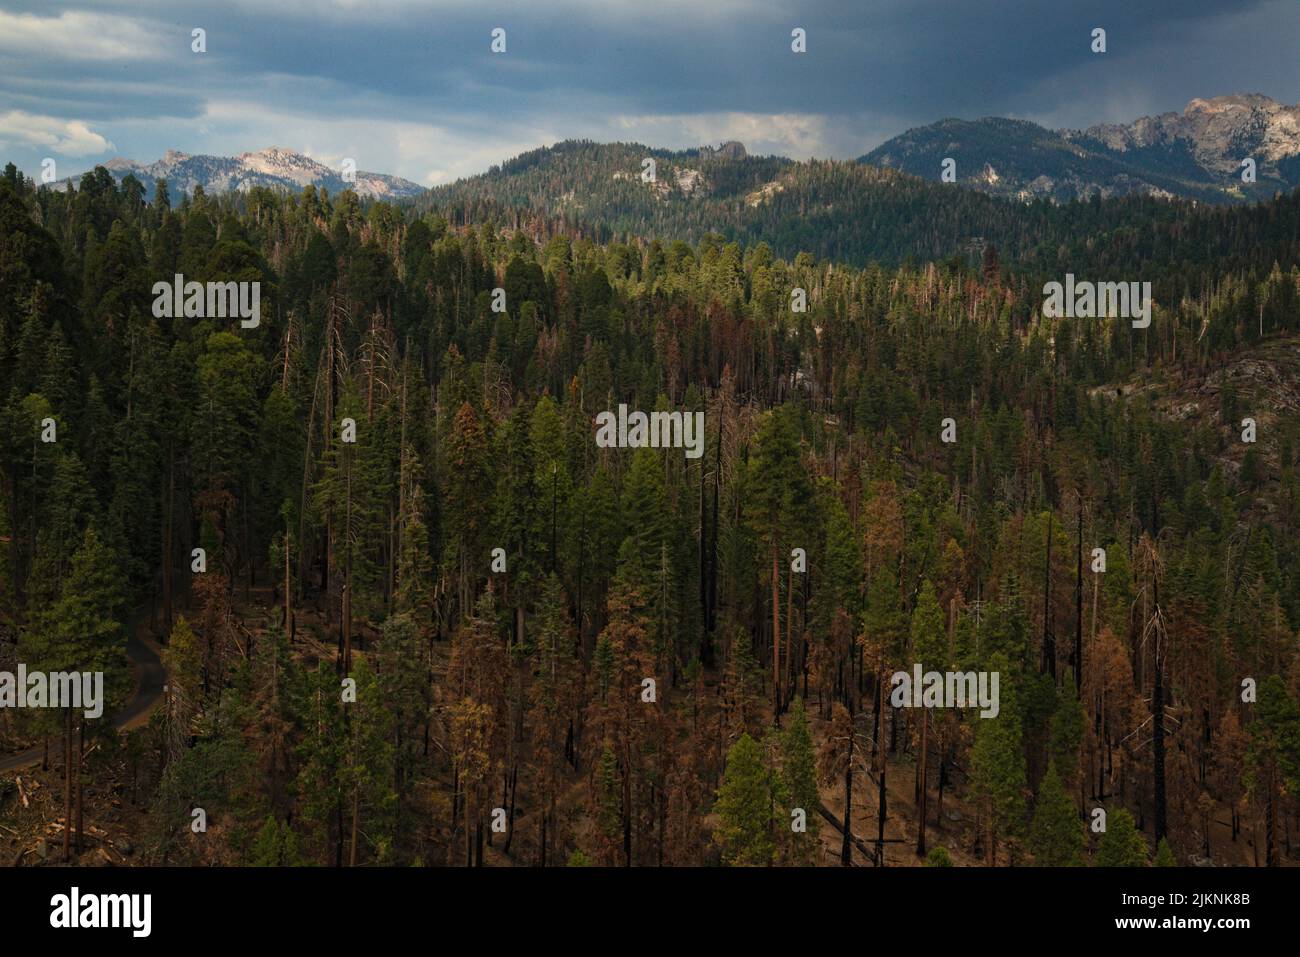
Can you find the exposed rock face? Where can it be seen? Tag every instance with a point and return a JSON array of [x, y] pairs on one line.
[[1197, 153], [1220, 131], [273, 168], [732, 150], [689, 180]]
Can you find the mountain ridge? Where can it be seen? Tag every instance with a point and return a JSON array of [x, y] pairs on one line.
[[273, 167], [1196, 153]]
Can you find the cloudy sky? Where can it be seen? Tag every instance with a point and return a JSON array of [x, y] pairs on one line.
[[411, 87]]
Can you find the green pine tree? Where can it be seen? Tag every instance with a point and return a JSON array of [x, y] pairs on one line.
[[1056, 835], [744, 807], [938, 857], [1164, 855], [798, 786], [1122, 845], [998, 763]]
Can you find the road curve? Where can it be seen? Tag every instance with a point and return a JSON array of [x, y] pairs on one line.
[[149, 678]]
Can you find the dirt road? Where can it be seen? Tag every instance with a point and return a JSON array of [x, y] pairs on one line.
[[149, 678]]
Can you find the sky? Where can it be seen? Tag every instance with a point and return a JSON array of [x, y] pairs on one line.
[[413, 88]]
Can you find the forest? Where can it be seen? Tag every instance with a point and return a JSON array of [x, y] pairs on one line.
[[411, 612]]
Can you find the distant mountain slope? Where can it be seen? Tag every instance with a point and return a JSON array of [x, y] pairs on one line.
[[271, 168], [1196, 153], [834, 209], [604, 181], [852, 212]]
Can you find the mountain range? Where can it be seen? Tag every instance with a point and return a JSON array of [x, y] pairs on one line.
[[272, 168], [888, 205], [1197, 153]]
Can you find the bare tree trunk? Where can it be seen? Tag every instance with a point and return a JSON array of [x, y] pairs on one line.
[[1049, 640], [776, 637], [846, 846], [1158, 709], [1078, 608], [290, 626], [67, 786], [510, 821], [992, 850], [1270, 824], [923, 763], [81, 792], [347, 576], [356, 825], [789, 620], [167, 538]]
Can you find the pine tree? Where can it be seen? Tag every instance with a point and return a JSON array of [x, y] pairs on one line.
[[998, 764], [1067, 734], [608, 806], [798, 787], [930, 649], [744, 807], [1273, 757], [276, 846], [1122, 845], [368, 770], [938, 857], [401, 661], [778, 500], [82, 632], [322, 753], [464, 504], [1164, 856], [552, 696], [1056, 835], [645, 495]]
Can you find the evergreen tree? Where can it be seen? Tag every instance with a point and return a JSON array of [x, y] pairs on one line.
[[798, 786], [1122, 845], [1056, 835], [998, 765], [938, 857], [1164, 856], [778, 500], [744, 807]]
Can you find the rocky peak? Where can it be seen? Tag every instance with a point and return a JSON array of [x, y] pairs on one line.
[[273, 167], [1220, 131], [730, 150]]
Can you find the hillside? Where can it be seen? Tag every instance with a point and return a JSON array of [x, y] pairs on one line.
[[437, 621], [1195, 154], [856, 213], [842, 211]]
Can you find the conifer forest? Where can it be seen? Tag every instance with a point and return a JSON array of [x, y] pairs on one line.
[[628, 507]]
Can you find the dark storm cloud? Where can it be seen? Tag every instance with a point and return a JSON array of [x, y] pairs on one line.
[[674, 72]]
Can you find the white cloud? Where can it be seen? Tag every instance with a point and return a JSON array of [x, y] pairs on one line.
[[799, 135], [67, 137], [75, 35], [423, 153], [505, 10]]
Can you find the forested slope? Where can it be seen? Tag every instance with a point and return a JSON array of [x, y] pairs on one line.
[[499, 588]]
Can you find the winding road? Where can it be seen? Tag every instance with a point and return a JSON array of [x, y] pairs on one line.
[[149, 678]]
